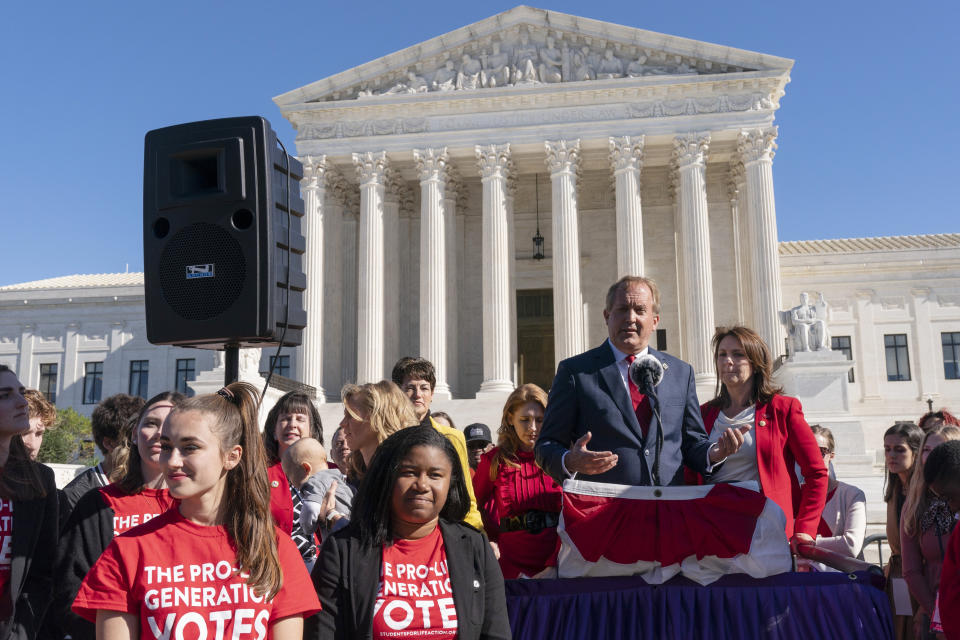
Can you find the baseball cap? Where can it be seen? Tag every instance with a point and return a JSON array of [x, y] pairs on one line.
[[477, 432]]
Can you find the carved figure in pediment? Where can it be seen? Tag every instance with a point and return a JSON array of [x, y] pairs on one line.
[[684, 69], [525, 60], [469, 75], [413, 84], [582, 70], [638, 67], [610, 66], [446, 78], [551, 62], [496, 67]]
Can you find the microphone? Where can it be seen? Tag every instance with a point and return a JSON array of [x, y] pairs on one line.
[[646, 372]]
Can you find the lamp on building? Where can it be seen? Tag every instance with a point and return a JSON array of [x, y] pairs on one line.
[[537, 239]]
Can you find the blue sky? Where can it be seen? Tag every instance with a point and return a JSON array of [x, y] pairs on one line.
[[868, 128]]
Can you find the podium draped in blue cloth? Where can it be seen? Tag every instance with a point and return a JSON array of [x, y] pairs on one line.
[[819, 606]]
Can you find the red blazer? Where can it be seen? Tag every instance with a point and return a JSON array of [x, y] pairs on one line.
[[784, 438], [281, 504]]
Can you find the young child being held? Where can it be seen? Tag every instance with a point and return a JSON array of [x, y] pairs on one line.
[[305, 463]]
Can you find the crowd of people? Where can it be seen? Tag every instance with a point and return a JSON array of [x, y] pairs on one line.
[[197, 524]]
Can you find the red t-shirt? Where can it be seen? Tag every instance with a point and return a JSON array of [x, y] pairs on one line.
[[130, 511], [6, 540], [415, 599], [179, 578]]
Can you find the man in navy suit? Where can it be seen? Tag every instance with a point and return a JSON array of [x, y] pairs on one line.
[[592, 401]]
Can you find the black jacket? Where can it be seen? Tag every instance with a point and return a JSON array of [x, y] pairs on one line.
[[347, 575], [34, 541], [86, 535]]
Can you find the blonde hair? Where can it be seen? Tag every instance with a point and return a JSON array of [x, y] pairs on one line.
[[387, 410], [507, 439], [918, 494]]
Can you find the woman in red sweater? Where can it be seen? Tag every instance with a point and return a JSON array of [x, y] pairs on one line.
[[776, 436], [292, 418], [520, 504]]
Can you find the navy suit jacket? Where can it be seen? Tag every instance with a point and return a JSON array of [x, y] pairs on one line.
[[588, 394]]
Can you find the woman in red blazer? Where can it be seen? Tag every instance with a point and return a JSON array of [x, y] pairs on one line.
[[778, 436]]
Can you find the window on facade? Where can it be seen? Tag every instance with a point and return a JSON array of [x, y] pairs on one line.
[[951, 354], [139, 378], [280, 365], [842, 344], [186, 372], [92, 382], [48, 381], [898, 361]]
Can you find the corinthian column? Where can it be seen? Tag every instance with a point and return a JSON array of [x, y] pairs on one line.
[[756, 149], [371, 170], [689, 157], [310, 360], [563, 160], [431, 164], [496, 251], [625, 160]]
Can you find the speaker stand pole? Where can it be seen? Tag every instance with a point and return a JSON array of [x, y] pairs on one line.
[[231, 363]]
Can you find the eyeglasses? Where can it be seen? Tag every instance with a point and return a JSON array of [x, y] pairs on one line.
[[824, 451]]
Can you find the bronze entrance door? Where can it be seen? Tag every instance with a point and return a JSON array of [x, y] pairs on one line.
[[535, 337]]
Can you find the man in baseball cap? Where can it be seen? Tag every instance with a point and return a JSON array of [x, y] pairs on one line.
[[479, 442]]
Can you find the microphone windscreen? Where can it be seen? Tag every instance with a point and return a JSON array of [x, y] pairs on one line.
[[646, 372]]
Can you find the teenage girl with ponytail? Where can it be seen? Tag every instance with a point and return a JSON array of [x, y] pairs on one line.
[[136, 496], [215, 566], [28, 520]]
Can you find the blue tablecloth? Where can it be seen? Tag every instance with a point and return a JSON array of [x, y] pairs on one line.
[[814, 606]]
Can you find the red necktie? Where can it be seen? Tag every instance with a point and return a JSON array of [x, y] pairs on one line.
[[641, 405]]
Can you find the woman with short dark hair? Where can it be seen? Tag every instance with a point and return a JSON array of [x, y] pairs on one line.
[[406, 567], [293, 417]]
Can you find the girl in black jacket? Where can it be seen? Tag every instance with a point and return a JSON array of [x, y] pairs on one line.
[[407, 567], [28, 521]]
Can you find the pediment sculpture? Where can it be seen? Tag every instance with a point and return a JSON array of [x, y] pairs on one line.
[[522, 58]]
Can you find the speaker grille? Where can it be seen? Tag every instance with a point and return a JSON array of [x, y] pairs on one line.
[[201, 298]]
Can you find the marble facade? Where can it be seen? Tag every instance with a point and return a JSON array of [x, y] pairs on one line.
[[639, 138]]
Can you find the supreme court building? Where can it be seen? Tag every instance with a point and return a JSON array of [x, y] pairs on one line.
[[430, 172]]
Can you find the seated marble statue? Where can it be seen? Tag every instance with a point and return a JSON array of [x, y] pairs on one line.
[[582, 70], [525, 57], [496, 67], [610, 67], [808, 325], [469, 75], [551, 66], [445, 79], [413, 84], [638, 67]]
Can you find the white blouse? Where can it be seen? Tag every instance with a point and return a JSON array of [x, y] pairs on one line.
[[742, 465]]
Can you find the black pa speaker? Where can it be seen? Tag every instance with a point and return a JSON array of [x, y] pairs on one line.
[[215, 236]]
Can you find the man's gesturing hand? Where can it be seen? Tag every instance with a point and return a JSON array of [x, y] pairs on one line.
[[580, 460]]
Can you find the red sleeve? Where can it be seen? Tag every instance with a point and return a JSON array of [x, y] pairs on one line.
[[281, 504], [106, 586], [950, 587], [297, 595], [813, 493], [483, 489]]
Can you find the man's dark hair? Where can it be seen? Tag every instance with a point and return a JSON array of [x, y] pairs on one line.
[[943, 464], [111, 416], [415, 369], [372, 508]]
